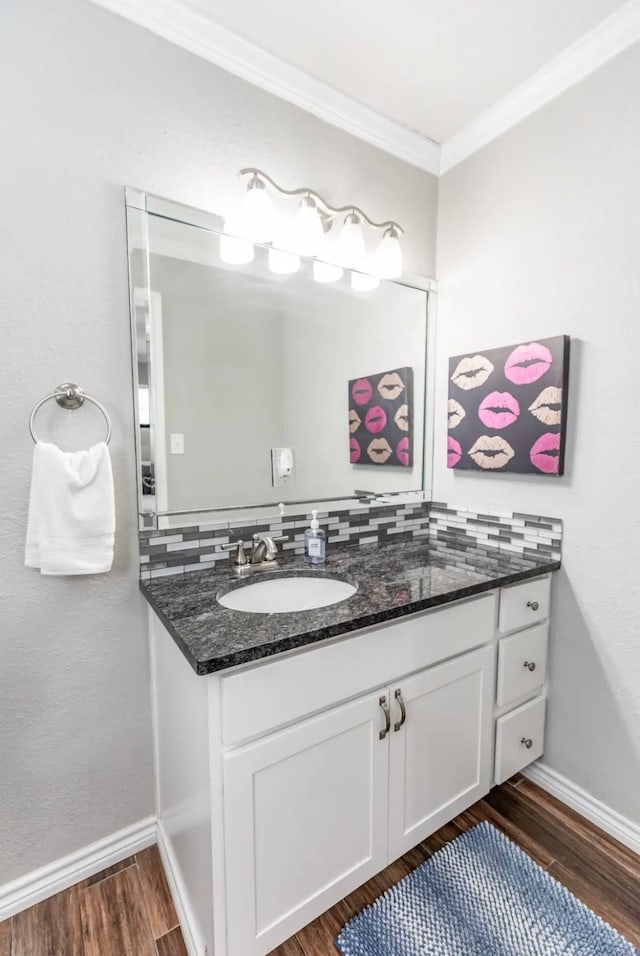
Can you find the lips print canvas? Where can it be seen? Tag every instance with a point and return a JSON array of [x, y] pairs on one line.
[[381, 418], [507, 408]]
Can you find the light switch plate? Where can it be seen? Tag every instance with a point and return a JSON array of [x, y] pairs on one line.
[[176, 443]]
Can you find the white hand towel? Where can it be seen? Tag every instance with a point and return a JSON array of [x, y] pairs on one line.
[[71, 522]]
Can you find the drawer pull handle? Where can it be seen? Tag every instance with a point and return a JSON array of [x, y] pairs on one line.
[[387, 717], [528, 742], [403, 711], [533, 605], [530, 665]]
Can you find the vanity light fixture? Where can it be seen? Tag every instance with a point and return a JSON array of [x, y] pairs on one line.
[[326, 272], [351, 250], [234, 247], [258, 214], [361, 282], [307, 230], [389, 255], [311, 234], [283, 263], [236, 251]]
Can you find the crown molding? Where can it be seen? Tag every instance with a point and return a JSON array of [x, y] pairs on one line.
[[612, 36], [196, 33]]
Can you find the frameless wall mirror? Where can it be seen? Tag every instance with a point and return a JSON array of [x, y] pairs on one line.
[[255, 387]]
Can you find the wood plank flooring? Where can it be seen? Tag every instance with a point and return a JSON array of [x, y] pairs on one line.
[[601, 872], [127, 910]]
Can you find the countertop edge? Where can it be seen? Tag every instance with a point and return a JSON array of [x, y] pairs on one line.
[[247, 656]]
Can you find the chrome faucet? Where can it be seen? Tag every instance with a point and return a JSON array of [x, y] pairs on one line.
[[263, 553], [264, 548]]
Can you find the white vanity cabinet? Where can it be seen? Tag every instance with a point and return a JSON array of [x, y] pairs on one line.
[[304, 822], [440, 758], [313, 811], [522, 674], [326, 764]]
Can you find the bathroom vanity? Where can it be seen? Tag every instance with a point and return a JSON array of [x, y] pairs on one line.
[[298, 754]]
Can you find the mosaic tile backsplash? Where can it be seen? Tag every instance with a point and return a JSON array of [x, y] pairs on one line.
[[181, 550]]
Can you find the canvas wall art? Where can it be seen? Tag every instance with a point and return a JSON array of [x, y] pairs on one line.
[[381, 419], [507, 408]]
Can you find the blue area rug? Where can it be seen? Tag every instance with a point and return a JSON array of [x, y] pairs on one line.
[[481, 895]]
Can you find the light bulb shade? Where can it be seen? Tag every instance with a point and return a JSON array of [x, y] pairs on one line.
[[283, 263], [389, 256], [257, 216], [236, 252], [307, 228], [350, 249], [326, 272], [360, 282]]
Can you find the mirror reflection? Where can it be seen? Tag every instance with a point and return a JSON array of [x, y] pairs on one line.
[[257, 387]]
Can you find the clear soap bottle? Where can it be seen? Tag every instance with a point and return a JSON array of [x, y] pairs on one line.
[[315, 540]]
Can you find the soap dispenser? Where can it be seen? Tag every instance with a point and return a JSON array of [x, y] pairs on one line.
[[314, 541]]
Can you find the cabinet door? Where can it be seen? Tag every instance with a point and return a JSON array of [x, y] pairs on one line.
[[440, 756], [305, 822]]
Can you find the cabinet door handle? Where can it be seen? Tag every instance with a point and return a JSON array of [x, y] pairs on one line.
[[403, 710], [530, 665], [533, 605], [387, 717], [528, 742]]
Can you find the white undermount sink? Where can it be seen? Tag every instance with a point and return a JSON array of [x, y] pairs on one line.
[[287, 595]]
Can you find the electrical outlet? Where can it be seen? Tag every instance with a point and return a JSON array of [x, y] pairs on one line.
[[282, 467]]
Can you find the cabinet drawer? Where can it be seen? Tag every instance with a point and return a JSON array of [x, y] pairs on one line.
[[524, 604], [519, 738], [522, 663], [270, 695]]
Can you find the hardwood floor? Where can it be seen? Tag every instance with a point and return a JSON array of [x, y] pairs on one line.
[[127, 910], [601, 872]]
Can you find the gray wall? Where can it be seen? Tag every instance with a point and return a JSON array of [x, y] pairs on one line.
[[539, 234], [90, 103]]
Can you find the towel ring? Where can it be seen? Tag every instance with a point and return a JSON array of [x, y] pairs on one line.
[[68, 396]]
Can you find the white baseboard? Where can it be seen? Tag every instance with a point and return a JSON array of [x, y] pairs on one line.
[[612, 822], [195, 946], [63, 873]]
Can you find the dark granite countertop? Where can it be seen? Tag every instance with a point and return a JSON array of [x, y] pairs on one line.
[[392, 581]]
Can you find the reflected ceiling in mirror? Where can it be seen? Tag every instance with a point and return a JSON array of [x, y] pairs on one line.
[[256, 386]]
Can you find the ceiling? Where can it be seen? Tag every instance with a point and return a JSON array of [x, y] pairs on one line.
[[431, 65], [429, 81]]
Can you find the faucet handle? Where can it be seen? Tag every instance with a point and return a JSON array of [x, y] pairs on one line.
[[241, 557], [269, 542]]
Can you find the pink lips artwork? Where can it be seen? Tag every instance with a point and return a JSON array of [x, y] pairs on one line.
[[402, 451], [507, 408], [528, 363], [375, 420], [362, 391], [544, 453], [498, 410], [381, 419], [454, 452]]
